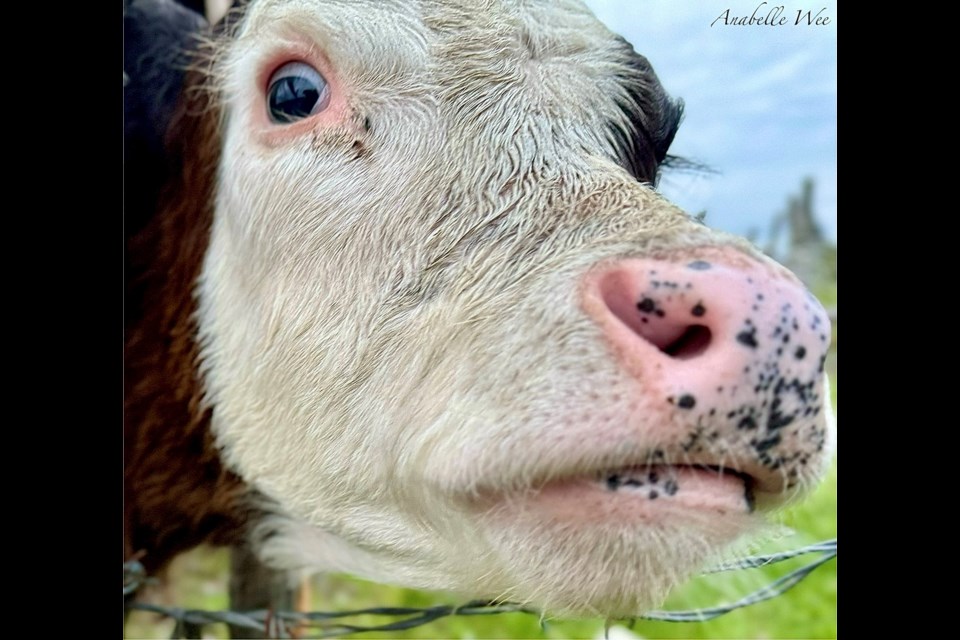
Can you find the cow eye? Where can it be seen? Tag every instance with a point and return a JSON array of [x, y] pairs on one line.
[[296, 90]]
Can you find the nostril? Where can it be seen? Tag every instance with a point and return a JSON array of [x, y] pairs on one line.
[[672, 322], [676, 340], [691, 343]]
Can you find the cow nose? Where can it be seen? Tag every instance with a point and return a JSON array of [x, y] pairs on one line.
[[715, 331]]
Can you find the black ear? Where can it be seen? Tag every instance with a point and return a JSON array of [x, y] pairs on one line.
[[650, 116], [159, 38]]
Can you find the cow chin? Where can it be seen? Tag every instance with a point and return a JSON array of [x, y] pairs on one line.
[[618, 556], [588, 546], [608, 569]]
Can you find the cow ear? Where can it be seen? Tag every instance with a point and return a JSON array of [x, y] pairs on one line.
[[671, 114], [160, 37]]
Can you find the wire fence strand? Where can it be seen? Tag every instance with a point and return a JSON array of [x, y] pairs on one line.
[[326, 624]]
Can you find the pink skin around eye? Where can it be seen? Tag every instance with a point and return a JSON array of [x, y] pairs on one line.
[[336, 115]]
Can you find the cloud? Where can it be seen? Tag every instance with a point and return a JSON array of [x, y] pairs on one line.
[[761, 105]]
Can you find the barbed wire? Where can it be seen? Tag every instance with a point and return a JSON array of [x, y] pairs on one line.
[[279, 624]]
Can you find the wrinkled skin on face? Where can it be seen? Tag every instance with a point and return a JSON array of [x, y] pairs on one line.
[[409, 333]]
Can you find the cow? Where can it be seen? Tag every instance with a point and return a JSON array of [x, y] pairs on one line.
[[403, 301]]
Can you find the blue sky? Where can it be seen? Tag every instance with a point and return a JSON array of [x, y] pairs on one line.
[[761, 103]]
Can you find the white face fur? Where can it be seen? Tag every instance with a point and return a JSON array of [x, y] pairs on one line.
[[394, 337]]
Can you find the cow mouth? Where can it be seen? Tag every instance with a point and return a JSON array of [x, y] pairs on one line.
[[647, 493], [666, 481]]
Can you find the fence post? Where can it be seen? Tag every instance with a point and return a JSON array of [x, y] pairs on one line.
[[255, 586], [187, 630]]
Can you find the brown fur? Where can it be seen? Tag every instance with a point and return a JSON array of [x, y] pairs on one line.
[[177, 493]]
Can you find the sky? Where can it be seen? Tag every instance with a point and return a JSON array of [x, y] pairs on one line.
[[761, 103]]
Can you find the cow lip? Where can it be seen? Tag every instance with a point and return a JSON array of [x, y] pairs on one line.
[[626, 475], [763, 487], [642, 476], [627, 493]]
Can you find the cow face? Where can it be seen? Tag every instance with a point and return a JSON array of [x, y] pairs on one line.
[[454, 336]]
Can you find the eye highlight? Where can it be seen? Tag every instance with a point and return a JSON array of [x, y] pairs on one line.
[[296, 90]]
